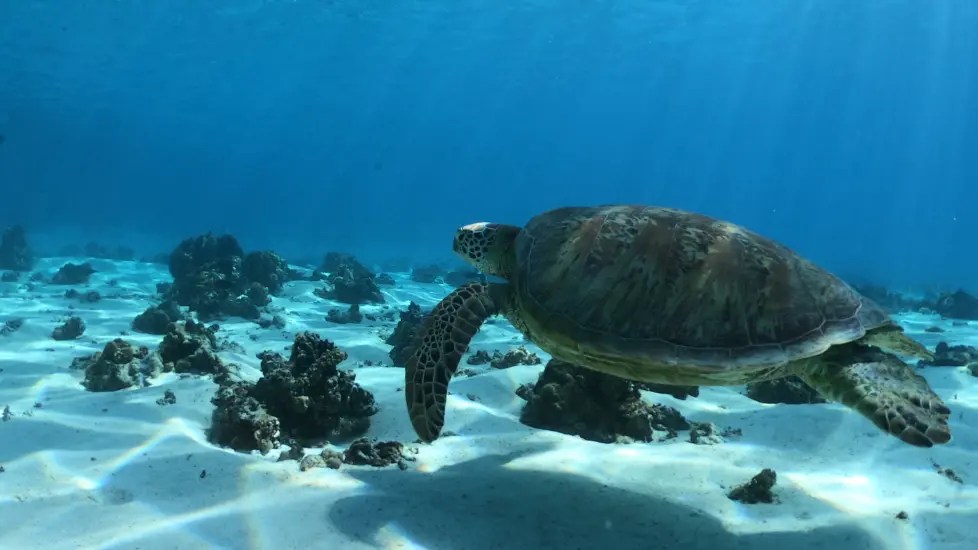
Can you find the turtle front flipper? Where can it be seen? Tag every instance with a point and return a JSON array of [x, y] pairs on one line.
[[884, 389], [438, 347]]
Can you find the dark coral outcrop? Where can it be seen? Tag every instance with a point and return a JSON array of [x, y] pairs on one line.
[[352, 282], [345, 317], [191, 348], [214, 278], [410, 321], [957, 305], [240, 421], [71, 329], [268, 269], [595, 406], [117, 367], [305, 399], [349, 289], [73, 274], [338, 262], [427, 273], [310, 395], [15, 253], [156, 319], [946, 355]]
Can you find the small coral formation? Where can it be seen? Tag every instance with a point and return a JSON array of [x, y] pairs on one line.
[[336, 262], [957, 305], [205, 252], [385, 279], [169, 398], [214, 278], [462, 277], [72, 329], [595, 406], [952, 305], [513, 357], [480, 357], [241, 422], [790, 391], [310, 395], [187, 348], [268, 269], [157, 319], [117, 367], [275, 321], [757, 490], [90, 297], [305, 399], [352, 283], [427, 274], [11, 326], [351, 315], [707, 433], [15, 254], [362, 452], [190, 348], [498, 360], [947, 472], [73, 274], [354, 291], [946, 355], [408, 325], [378, 454]]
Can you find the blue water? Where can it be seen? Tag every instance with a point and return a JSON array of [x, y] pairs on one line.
[[845, 128]]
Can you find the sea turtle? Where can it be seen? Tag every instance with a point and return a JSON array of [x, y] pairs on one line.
[[667, 296]]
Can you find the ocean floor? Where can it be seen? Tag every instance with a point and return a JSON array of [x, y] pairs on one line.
[[118, 470]]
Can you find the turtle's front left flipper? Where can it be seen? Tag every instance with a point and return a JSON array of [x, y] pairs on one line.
[[884, 389], [438, 347]]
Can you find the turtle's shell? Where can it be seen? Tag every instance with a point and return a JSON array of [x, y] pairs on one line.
[[667, 287]]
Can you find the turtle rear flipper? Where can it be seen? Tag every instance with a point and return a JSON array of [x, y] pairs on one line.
[[437, 349], [891, 338], [884, 389]]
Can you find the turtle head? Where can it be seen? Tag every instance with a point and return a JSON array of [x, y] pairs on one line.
[[489, 247]]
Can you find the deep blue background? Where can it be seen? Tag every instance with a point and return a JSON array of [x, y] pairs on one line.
[[846, 128]]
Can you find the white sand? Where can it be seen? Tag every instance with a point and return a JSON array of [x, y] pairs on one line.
[[116, 470]]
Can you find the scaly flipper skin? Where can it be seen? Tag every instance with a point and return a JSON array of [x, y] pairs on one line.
[[882, 388], [894, 340], [438, 347]]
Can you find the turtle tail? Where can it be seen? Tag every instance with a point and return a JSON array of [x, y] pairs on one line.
[[438, 347]]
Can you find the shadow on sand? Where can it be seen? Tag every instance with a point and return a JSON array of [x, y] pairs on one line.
[[482, 504]]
